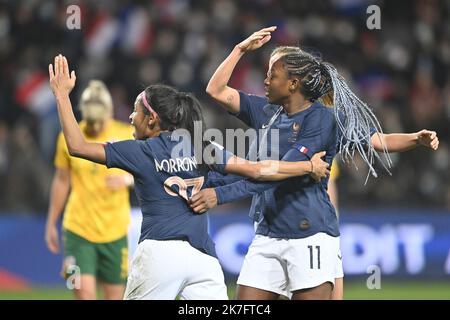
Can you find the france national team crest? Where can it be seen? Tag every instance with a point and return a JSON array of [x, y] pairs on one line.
[[294, 133]]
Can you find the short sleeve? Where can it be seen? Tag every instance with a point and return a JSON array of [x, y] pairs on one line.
[[317, 134], [62, 157], [251, 109], [127, 155]]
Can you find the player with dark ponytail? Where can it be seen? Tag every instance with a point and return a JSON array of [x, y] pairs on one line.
[[166, 176]]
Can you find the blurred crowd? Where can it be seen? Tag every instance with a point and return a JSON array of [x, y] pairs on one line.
[[402, 70]]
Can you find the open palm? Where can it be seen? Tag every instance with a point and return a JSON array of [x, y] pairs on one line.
[[61, 81]]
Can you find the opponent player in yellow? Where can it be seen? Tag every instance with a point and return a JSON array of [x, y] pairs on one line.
[[97, 213]]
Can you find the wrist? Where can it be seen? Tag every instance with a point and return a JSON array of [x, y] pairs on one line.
[[239, 50], [311, 167], [416, 138], [218, 196], [50, 224], [61, 95]]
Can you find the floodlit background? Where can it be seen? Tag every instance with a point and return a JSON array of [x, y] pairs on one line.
[[400, 223]]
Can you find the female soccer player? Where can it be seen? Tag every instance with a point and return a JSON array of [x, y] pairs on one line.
[[175, 254], [300, 212], [97, 214]]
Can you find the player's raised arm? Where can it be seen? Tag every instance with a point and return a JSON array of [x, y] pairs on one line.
[[400, 142], [62, 84], [218, 87], [272, 170]]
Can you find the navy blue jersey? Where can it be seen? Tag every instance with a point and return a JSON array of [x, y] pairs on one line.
[[165, 178], [296, 207]]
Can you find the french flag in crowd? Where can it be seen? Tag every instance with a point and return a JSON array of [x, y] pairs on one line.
[[301, 148], [135, 34], [34, 93], [101, 35], [131, 31]]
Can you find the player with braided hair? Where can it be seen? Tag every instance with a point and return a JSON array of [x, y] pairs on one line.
[[167, 172], [297, 235]]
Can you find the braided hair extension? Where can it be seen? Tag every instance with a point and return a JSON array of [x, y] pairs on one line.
[[321, 81]]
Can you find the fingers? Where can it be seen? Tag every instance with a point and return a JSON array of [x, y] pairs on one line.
[[50, 71], [320, 154], [53, 247], [65, 66], [73, 76], [431, 134], [435, 144], [195, 198], [61, 65], [56, 63], [195, 203], [269, 29], [200, 209]]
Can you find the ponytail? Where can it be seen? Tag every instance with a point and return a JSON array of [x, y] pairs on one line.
[[189, 113], [178, 110]]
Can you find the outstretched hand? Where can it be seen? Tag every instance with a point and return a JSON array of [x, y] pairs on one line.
[[61, 81], [428, 139], [257, 39]]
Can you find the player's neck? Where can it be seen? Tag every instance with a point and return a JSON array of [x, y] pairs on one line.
[[296, 105]]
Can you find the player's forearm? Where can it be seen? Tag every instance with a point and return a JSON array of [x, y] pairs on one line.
[[222, 75], [395, 142], [267, 170], [271, 170], [58, 196], [72, 132], [242, 189]]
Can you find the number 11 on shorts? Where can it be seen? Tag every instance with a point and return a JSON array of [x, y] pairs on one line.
[[311, 256]]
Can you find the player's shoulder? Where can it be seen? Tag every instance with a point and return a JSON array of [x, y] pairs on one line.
[[321, 112]]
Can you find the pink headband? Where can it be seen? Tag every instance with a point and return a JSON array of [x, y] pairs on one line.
[[146, 104]]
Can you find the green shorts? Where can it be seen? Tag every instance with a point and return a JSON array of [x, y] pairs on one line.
[[108, 262]]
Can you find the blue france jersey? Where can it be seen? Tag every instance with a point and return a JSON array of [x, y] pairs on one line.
[[165, 178], [296, 207]]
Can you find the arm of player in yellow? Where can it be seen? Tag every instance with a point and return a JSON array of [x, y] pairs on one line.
[[58, 196]]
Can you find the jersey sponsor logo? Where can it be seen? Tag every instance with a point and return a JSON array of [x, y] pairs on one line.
[[176, 165]]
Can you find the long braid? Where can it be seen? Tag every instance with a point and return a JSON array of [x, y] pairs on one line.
[[357, 123], [319, 81]]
